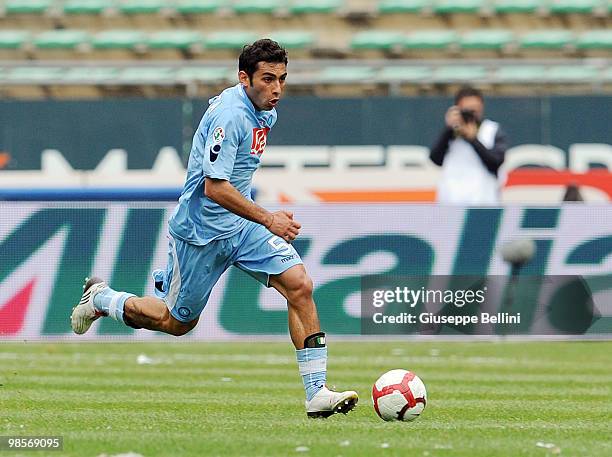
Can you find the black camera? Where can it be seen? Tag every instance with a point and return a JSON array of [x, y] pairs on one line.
[[468, 116]]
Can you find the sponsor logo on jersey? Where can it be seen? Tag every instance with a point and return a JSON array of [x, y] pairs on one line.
[[259, 140]]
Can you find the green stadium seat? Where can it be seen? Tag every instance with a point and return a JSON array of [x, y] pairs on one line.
[[460, 73], [27, 6], [520, 73], [404, 73], [145, 74], [377, 39], [487, 39], [197, 6], [344, 75], [130, 7], [517, 6], [174, 39], [118, 39], [39, 75], [229, 39], [595, 39], [13, 39], [85, 7], [256, 6], [431, 39], [458, 6], [401, 6], [547, 39], [209, 75], [315, 6], [90, 75], [573, 6], [572, 73], [294, 39], [61, 39]]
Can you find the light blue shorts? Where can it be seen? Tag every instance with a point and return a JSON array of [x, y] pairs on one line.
[[192, 271]]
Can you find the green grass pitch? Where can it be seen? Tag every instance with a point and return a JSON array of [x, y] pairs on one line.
[[246, 399]]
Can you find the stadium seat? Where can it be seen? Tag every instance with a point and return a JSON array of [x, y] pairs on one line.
[[572, 74], [517, 6], [13, 44], [315, 6], [406, 15], [118, 39], [174, 39], [294, 39], [546, 41], [431, 43], [229, 39], [118, 44], [129, 7], [403, 73], [345, 75], [431, 39], [85, 7], [39, 75], [33, 7], [61, 39], [573, 6], [197, 6], [459, 73], [90, 75], [517, 14], [143, 14], [256, 7], [208, 75], [487, 39], [458, 6], [595, 39], [520, 74], [13, 39], [146, 74], [175, 44], [27, 14], [61, 44], [401, 6], [377, 39]]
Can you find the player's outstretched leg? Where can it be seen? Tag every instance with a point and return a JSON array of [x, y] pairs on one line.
[[100, 300], [311, 349]]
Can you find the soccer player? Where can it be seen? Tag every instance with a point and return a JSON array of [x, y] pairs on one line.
[[216, 224]]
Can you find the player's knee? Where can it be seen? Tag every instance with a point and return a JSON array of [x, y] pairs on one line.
[[301, 289]]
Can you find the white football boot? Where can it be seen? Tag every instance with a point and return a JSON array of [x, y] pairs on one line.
[[85, 314], [327, 402]]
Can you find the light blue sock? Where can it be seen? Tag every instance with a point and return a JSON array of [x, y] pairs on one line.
[[312, 363], [111, 302]]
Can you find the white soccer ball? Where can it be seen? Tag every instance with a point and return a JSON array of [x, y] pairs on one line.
[[399, 395]]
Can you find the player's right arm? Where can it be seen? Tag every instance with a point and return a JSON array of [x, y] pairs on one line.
[[280, 223], [220, 148]]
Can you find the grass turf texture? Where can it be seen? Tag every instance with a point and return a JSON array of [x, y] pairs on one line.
[[245, 399]]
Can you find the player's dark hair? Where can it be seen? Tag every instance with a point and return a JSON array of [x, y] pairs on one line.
[[264, 50], [468, 91]]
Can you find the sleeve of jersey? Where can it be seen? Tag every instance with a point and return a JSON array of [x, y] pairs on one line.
[[221, 146]]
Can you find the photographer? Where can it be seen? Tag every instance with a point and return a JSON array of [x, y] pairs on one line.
[[470, 151]]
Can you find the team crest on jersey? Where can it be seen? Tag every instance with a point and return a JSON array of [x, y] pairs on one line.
[[218, 135], [259, 140]]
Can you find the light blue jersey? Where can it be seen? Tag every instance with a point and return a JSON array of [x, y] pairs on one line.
[[228, 145]]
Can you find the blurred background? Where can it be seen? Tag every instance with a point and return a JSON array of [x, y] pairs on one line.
[[99, 100]]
